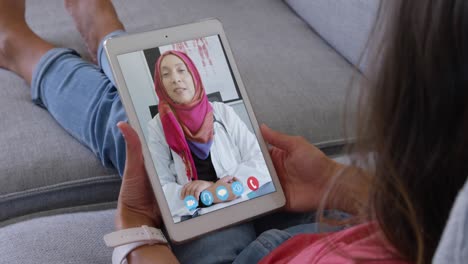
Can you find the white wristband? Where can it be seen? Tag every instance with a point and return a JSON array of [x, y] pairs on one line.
[[126, 240], [150, 235], [119, 256]]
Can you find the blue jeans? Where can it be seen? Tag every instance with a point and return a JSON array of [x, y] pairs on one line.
[[83, 99]]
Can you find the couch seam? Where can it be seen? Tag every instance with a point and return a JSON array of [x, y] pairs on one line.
[[57, 187]]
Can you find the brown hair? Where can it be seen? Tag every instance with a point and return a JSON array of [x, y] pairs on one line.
[[413, 118]]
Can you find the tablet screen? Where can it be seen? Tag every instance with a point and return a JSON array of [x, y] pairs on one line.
[[196, 125]]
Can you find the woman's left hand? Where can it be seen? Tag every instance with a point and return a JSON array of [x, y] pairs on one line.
[[194, 188], [226, 182], [136, 205]]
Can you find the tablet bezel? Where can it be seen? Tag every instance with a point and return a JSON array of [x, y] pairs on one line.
[[189, 229]]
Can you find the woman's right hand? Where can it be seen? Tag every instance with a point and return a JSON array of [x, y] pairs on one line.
[[304, 170], [227, 182], [195, 188]]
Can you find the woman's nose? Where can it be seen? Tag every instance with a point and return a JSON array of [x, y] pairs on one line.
[[175, 79]]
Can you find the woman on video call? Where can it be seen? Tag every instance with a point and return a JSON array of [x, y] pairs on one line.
[[197, 145]]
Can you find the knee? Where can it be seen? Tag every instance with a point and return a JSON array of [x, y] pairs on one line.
[[271, 239]]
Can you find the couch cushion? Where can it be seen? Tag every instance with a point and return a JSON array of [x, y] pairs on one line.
[[344, 24], [69, 238], [297, 85]]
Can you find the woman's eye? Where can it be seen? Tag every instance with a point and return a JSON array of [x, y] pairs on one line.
[[165, 74], [181, 70]]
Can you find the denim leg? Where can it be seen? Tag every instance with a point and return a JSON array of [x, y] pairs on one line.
[[83, 101], [262, 246], [282, 220], [219, 247], [102, 58]]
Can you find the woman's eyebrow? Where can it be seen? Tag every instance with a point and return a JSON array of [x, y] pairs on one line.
[[168, 68]]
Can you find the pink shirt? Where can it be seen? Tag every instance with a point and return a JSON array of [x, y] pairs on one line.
[[358, 242]]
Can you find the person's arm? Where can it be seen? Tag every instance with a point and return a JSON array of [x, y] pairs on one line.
[[137, 205], [347, 189], [152, 254], [158, 253]]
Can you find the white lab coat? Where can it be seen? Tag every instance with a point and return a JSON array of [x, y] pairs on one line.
[[235, 151]]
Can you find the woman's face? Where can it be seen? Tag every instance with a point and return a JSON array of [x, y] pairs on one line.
[[177, 80]]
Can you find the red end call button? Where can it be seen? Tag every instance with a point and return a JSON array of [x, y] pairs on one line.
[[252, 183]]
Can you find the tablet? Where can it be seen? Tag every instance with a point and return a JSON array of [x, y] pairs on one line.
[[207, 162]]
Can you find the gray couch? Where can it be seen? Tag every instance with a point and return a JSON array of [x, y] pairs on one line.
[[57, 200]]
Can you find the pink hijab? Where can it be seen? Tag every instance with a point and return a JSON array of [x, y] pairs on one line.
[[187, 127]]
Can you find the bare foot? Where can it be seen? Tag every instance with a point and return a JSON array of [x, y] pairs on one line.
[[11, 20], [94, 19], [20, 48]]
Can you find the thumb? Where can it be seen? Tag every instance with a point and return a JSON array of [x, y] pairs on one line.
[[134, 156], [276, 139]]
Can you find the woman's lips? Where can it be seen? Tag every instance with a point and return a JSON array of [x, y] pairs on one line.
[[179, 90]]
